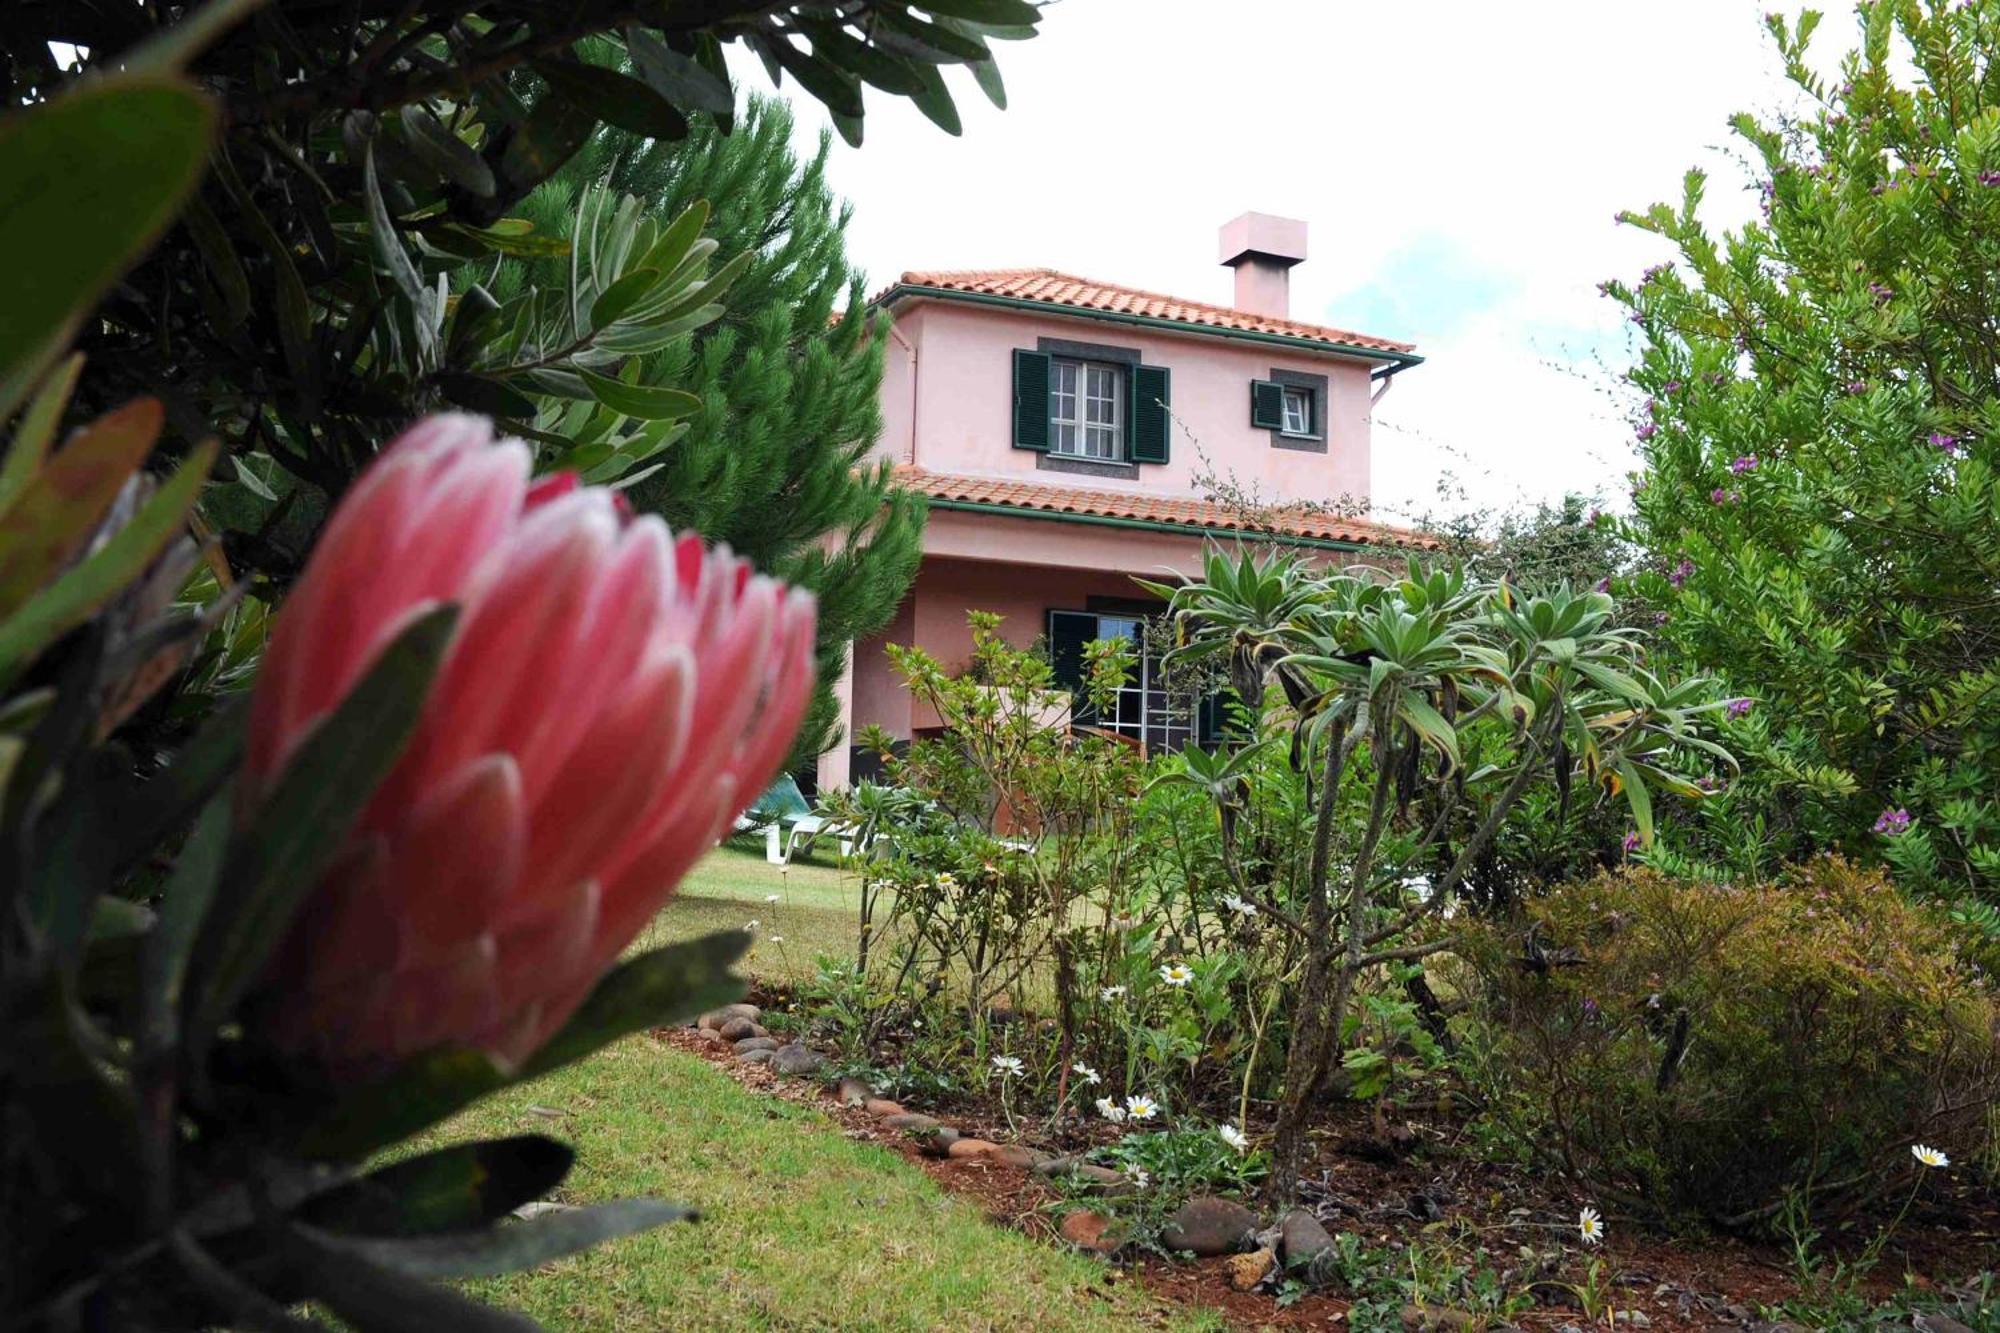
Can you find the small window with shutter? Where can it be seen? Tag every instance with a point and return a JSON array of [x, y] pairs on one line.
[[1292, 406]]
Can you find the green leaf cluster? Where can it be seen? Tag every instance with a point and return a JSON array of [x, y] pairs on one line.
[[1821, 432]]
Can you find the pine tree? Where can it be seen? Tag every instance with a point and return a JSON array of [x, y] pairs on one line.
[[774, 464]]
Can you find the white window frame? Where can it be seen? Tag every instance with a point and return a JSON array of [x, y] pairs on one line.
[[1143, 708], [1288, 394], [1072, 432]]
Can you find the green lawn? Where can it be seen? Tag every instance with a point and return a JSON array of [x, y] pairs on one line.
[[817, 911], [803, 1227]]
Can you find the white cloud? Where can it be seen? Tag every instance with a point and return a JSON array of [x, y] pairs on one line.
[[1459, 163]]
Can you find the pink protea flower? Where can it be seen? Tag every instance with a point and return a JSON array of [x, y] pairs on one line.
[[612, 698]]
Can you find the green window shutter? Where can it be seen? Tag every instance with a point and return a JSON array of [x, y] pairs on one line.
[[1151, 387], [1069, 631], [1031, 400], [1267, 405]]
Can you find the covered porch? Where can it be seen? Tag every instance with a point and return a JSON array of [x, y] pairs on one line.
[[1056, 581]]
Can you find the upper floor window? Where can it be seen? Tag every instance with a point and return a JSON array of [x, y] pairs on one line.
[[1298, 411], [1100, 414], [1292, 406], [1085, 417]]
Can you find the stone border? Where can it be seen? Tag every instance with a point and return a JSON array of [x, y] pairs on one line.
[[1206, 1226]]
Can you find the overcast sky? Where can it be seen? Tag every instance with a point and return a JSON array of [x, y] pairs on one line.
[[1459, 163]]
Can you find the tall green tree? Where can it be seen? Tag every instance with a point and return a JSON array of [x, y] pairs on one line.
[[774, 462], [1820, 432]]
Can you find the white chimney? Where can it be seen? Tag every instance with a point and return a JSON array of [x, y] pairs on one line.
[[1262, 249]]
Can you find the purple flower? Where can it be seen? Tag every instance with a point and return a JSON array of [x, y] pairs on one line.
[[1892, 822], [1747, 463], [1738, 707], [1722, 497], [1659, 617], [1589, 1010], [1856, 386], [1881, 292], [1680, 572], [1647, 431], [1671, 387], [1631, 842], [1989, 178], [1943, 443], [1653, 271], [1638, 318], [1602, 585]]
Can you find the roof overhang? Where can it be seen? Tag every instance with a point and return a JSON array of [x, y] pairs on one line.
[[1390, 361], [1192, 531]]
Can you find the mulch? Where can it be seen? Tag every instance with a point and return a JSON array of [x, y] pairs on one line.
[[1416, 1190]]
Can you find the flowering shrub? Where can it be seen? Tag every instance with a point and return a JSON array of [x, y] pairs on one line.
[[1035, 838], [1685, 1048], [1187, 1160], [1424, 708], [1820, 502]]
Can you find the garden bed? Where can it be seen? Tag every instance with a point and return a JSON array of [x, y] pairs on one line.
[[1416, 1202]]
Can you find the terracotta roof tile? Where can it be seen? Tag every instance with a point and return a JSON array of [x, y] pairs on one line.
[[1194, 514], [1063, 289]]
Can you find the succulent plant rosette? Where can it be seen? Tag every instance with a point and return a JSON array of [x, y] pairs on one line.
[[497, 720]]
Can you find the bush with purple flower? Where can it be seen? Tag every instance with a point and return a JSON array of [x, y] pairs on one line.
[[1892, 822]]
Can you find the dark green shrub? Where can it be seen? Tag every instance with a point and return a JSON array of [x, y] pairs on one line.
[[1690, 1049]]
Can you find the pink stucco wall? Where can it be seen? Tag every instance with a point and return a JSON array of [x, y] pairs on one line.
[[947, 395], [933, 617]]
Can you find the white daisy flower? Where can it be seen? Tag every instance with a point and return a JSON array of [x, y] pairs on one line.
[[1141, 1107], [777, 939], [1084, 1072], [946, 880], [1138, 1175], [1008, 1065], [1238, 905], [1177, 974], [1929, 1156], [1590, 1226], [770, 897], [1110, 993], [1110, 1110], [751, 924], [1234, 1137]]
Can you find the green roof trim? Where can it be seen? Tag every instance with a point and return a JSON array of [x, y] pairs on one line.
[[1146, 524], [1322, 346]]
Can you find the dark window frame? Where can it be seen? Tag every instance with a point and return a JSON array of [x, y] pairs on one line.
[[1317, 386]]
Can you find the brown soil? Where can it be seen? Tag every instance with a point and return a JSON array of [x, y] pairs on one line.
[[1420, 1188]]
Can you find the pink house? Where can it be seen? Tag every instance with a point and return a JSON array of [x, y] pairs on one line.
[[1071, 434]]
